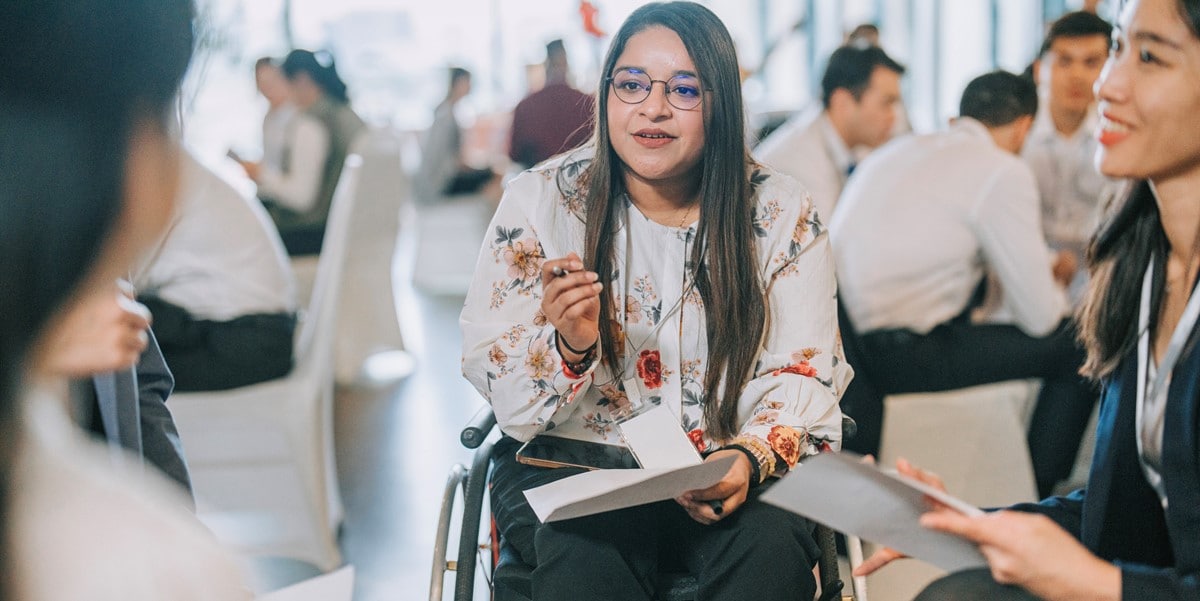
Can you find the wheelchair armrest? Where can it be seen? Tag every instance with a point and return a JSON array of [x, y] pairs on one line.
[[849, 428], [478, 428]]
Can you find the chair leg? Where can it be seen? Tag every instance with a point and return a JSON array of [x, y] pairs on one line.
[[457, 474]]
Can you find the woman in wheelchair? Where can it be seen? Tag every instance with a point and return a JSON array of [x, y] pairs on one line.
[[658, 264]]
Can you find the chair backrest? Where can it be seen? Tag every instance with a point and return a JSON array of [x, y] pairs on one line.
[[314, 348]]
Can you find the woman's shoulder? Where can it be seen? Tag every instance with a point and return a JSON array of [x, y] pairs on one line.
[[559, 179], [781, 203]]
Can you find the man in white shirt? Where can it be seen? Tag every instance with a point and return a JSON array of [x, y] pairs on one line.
[[220, 288], [860, 91], [914, 234], [1061, 148]]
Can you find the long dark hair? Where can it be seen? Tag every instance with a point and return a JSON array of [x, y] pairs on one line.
[[1117, 259], [77, 78], [320, 68], [723, 259]]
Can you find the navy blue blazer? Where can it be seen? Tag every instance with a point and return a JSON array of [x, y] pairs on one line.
[[1118, 516]]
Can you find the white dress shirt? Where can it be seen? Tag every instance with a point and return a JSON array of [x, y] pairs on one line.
[[276, 124], [221, 257], [306, 150], [809, 149], [923, 218], [1070, 185]]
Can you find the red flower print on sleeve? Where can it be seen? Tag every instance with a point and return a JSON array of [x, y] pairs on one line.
[[697, 438], [786, 442], [801, 369], [649, 368]]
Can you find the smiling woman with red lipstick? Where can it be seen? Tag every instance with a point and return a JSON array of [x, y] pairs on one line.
[[1134, 532], [659, 266]]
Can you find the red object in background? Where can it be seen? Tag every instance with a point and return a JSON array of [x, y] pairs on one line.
[[588, 12]]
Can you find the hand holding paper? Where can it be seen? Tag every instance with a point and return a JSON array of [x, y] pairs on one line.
[[606, 490], [842, 493]]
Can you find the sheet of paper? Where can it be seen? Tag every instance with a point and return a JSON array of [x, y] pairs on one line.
[[657, 440], [837, 490], [334, 586], [605, 490]]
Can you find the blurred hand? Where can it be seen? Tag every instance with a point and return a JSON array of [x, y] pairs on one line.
[[1066, 263], [1031, 551], [887, 555], [252, 169], [572, 303], [731, 491], [99, 333]]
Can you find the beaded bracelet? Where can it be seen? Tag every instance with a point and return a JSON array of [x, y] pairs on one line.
[[763, 454]]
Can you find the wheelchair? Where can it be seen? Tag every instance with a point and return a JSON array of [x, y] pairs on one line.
[[509, 578]]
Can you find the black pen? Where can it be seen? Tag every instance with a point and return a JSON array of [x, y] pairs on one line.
[[718, 507]]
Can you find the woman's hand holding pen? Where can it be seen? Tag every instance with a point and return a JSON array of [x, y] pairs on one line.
[[709, 505], [571, 301]]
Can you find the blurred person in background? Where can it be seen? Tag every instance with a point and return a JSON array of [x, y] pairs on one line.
[[444, 171], [860, 93], [298, 194], [277, 123], [220, 288], [1061, 147], [914, 235], [90, 168], [553, 119]]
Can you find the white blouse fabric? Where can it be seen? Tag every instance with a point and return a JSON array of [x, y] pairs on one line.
[[84, 528], [791, 401]]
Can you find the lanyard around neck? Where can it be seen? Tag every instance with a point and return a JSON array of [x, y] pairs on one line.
[[1179, 337]]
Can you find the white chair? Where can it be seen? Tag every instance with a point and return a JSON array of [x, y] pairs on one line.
[[974, 439], [262, 456], [451, 232], [368, 328]]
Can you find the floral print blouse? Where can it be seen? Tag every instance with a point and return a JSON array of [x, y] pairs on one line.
[[791, 401]]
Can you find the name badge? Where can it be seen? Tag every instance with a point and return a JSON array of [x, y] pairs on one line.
[[654, 435]]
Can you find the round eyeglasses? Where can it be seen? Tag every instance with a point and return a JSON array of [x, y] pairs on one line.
[[633, 87]]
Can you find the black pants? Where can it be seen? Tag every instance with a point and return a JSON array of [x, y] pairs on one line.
[[218, 355], [302, 240], [959, 354], [468, 181], [759, 552], [969, 585]]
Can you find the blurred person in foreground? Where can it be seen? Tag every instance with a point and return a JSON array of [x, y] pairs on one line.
[[90, 168]]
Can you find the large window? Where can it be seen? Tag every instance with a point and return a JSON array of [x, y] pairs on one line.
[[394, 53]]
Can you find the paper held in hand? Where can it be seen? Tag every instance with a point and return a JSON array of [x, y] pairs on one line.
[[606, 490], [837, 490]]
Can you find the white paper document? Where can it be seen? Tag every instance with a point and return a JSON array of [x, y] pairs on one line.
[[605, 490], [655, 438], [837, 490]]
